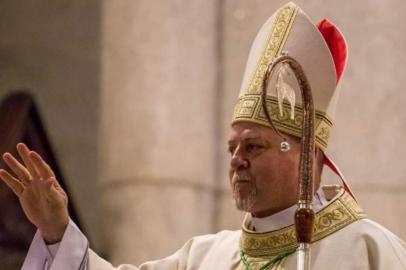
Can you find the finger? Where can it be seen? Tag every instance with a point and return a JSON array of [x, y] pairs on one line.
[[58, 187], [48, 183], [55, 187], [41, 166], [18, 168], [24, 153], [52, 190], [16, 186]]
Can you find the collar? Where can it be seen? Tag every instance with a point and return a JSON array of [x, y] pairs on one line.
[[284, 217], [338, 213]]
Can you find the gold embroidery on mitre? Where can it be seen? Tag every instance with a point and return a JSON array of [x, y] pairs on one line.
[[249, 109], [276, 39], [340, 212]]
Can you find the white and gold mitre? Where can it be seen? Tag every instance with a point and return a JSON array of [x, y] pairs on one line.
[[320, 50]]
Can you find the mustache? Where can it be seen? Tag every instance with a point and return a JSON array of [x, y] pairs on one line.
[[241, 178]]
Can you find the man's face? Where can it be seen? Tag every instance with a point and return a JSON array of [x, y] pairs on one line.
[[263, 178]]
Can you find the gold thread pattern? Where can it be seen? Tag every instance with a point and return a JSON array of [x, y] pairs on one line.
[[249, 109], [279, 32], [340, 212]]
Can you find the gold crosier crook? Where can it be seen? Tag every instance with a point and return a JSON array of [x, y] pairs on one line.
[[304, 215]]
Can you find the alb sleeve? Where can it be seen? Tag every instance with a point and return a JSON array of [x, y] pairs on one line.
[[71, 253]]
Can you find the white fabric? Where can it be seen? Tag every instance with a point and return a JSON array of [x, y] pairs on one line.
[[285, 217], [71, 252], [362, 245], [38, 256], [53, 249]]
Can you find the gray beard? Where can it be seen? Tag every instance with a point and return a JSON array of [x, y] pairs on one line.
[[245, 204]]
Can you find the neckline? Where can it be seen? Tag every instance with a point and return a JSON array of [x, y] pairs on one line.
[[284, 217], [338, 213]]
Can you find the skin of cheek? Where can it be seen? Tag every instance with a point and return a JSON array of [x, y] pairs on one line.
[[276, 180], [275, 172]]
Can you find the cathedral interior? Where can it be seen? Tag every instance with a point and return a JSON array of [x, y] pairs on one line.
[[131, 101]]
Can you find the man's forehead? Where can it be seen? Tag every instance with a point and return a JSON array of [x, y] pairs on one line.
[[247, 130]]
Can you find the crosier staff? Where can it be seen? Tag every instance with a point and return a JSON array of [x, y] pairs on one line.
[[304, 215]]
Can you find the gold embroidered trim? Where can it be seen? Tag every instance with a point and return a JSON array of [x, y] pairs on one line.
[[249, 108], [278, 34], [340, 212]]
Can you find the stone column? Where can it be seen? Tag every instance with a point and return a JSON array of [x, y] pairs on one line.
[[159, 74]]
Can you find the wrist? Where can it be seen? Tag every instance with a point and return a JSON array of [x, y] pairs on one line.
[[55, 235]]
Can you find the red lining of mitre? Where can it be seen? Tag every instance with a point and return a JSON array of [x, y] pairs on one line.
[[336, 43]]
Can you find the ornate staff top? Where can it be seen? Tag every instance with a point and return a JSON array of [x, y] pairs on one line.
[[304, 216]]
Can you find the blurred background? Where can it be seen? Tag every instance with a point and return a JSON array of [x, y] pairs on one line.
[[135, 99]]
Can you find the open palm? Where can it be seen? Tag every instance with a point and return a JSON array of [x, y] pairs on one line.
[[43, 200]]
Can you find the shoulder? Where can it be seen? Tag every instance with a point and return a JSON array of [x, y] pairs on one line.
[[363, 244], [204, 244], [373, 231], [225, 237], [384, 249], [200, 249], [368, 232]]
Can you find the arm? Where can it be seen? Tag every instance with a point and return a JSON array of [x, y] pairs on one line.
[[44, 203], [74, 254], [71, 252]]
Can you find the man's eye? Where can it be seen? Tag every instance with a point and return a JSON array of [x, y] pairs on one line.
[[253, 147], [231, 150]]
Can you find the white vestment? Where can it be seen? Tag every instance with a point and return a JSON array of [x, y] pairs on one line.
[[343, 240]]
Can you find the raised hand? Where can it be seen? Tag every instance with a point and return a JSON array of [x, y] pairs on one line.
[[43, 200]]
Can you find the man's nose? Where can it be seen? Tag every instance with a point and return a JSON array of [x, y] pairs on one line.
[[238, 161]]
